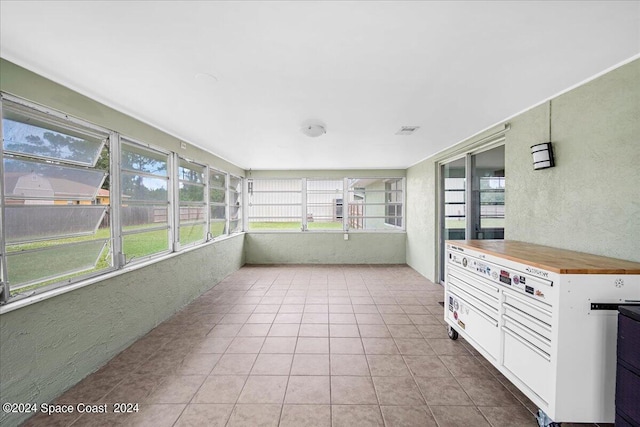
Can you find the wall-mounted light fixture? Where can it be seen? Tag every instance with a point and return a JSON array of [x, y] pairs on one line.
[[542, 156]]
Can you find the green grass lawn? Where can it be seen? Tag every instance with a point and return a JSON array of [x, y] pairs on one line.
[[272, 226]]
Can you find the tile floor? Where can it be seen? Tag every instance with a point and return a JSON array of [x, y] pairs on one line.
[[303, 346]]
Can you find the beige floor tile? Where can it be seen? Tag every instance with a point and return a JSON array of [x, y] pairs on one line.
[[356, 415], [310, 307], [264, 389], [245, 345], [386, 365], [220, 389], [288, 318], [254, 330], [396, 319], [308, 390], [267, 308], [413, 346], [212, 345], [312, 345], [369, 319], [352, 391], [213, 415], [310, 364], [156, 415], [380, 346], [341, 308], [426, 366], [315, 318], [305, 416], [344, 331], [237, 318], [365, 309], [198, 363], [513, 416], [346, 346], [226, 330], [465, 366], [458, 416], [404, 331], [447, 347], [234, 364], [374, 331], [284, 330], [487, 392], [349, 364], [407, 416], [255, 415], [272, 364], [279, 345], [318, 330], [291, 308], [342, 318], [176, 389], [442, 391], [397, 391]]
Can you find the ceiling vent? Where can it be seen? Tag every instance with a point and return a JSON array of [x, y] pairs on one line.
[[407, 130]]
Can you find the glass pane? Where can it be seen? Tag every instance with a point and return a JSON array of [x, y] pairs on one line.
[[235, 198], [235, 212], [217, 228], [143, 188], [235, 226], [191, 192], [488, 194], [217, 195], [235, 184], [27, 223], [141, 245], [53, 261], [217, 179], [190, 233], [190, 172], [138, 159], [291, 224], [192, 214], [454, 209], [218, 212], [40, 138], [24, 179], [135, 217]]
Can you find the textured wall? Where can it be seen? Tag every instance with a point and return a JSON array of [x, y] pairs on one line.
[[325, 248], [422, 218], [49, 346], [590, 201]]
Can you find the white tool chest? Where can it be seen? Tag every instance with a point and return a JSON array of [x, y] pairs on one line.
[[546, 318]]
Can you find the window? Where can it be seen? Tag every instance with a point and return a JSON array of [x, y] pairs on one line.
[[217, 202], [54, 168], [275, 204], [393, 200], [192, 217], [374, 203], [63, 218], [235, 204], [145, 209], [324, 204]]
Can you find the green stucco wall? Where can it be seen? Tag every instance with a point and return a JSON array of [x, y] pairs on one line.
[[589, 202], [325, 248]]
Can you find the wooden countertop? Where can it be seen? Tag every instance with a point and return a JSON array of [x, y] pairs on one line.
[[553, 259]]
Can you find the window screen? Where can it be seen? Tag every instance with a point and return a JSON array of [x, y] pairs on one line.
[[374, 203], [235, 204], [217, 202], [192, 202], [275, 204], [325, 204], [56, 198]]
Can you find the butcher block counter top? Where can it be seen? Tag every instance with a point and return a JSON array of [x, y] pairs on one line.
[[561, 261]]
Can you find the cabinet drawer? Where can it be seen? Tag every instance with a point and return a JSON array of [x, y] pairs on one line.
[[480, 328], [529, 364]]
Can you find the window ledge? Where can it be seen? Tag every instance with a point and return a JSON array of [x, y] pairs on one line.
[[24, 302]]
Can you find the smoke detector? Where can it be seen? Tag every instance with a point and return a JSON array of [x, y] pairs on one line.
[[407, 130], [313, 130]]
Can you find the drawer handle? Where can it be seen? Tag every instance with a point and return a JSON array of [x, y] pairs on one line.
[[520, 325], [537, 321], [473, 299], [478, 311], [527, 344], [528, 304]]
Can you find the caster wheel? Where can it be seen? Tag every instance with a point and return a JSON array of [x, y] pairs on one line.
[[452, 333]]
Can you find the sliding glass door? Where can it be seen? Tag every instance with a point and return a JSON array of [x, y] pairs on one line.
[[472, 198]]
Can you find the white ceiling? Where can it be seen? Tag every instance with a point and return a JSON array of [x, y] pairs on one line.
[[364, 69]]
